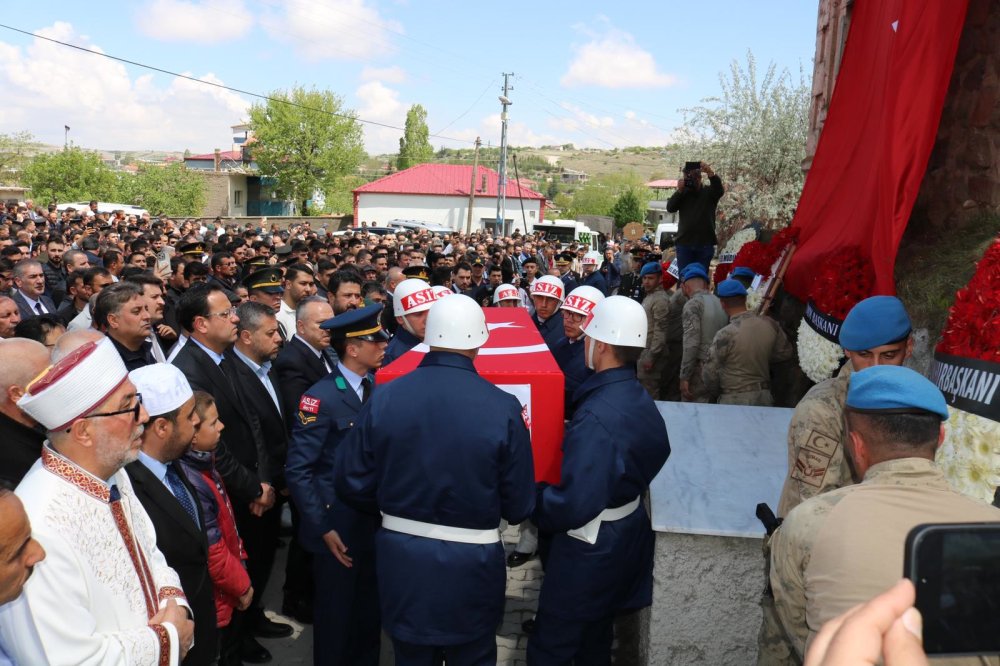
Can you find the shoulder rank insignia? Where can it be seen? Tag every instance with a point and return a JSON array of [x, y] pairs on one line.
[[341, 384]]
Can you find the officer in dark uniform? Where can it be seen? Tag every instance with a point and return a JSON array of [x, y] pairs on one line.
[[347, 624], [411, 299], [444, 473], [564, 262], [547, 295], [568, 352], [601, 559], [194, 251], [418, 273]]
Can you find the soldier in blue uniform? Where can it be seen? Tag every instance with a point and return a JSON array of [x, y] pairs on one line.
[[547, 295], [601, 560], [591, 276], [411, 299], [444, 473], [568, 352], [564, 262], [347, 623]]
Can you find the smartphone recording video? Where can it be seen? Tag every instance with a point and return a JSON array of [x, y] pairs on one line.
[[956, 570]]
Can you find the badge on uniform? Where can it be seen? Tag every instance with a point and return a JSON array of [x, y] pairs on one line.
[[305, 419], [308, 406]]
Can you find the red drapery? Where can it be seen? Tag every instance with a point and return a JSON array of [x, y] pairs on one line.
[[878, 135]]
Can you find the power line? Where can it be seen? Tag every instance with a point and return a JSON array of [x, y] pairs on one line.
[[222, 86]]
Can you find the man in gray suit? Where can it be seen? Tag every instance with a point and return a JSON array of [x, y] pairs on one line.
[[29, 278]]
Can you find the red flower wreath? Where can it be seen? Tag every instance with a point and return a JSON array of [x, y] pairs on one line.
[[844, 278], [973, 327], [760, 257]]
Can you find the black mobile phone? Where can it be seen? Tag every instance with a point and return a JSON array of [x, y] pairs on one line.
[[956, 570], [691, 166]]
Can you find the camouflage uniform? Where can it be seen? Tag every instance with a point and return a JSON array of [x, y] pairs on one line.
[[738, 371], [670, 380], [816, 438], [843, 547], [657, 307], [701, 318]]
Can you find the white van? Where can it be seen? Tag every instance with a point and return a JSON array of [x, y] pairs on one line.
[[665, 234], [569, 231]]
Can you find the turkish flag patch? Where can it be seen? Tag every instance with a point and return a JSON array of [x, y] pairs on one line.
[[309, 404]]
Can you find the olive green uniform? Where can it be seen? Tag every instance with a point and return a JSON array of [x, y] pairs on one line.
[[701, 318], [738, 371], [657, 307]]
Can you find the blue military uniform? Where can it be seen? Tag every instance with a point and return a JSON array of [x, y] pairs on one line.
[[347, 621], [570, 358], [614, 446], [464, 462], [401, 343], [595, 280], [551, 329]]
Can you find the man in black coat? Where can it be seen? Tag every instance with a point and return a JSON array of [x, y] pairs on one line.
[[242, 457], [169, 499], [21, 360]]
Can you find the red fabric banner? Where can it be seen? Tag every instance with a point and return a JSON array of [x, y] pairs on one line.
[[878, 135]]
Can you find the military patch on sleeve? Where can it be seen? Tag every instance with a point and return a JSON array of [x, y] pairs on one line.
[[813, 459], [306, 419], [309, 404]]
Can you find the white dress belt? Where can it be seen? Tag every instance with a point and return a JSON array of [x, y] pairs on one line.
[[442, 532], [589, 531]]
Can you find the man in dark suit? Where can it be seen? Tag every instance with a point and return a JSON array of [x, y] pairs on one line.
[[29, 278], [304, 360], [257, 343], [241, 457], [342, 538], [168, 498], [21, 360]]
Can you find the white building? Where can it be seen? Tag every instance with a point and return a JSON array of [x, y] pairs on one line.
[[439, 194]]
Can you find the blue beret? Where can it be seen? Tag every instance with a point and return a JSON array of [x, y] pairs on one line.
[[743, 271], [694, 271], [729, 288], [893, 389], [651, 268], [875, 321]]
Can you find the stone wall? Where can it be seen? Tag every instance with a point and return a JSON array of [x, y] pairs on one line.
[[963, 175], [216, 193]]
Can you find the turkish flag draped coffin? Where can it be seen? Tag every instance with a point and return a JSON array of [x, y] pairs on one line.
[[516, 360]]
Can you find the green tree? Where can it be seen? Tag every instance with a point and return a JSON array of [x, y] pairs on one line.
[[598, 195], [170, 190], [14, 155], [415, 146], [340, 200], [70, 175], [753, 133], [305, 140], [629, 207], [552, 190]]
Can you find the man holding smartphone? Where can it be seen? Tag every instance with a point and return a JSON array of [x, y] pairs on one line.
[[696, 204], [843, 547]]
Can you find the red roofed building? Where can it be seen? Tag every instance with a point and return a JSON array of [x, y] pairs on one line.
[[438, 194]]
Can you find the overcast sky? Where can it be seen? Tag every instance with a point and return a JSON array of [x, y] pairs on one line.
[[590, 73]]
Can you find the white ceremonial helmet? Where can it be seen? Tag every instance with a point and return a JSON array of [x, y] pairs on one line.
[[440, 291], [412, 295], [456, 323], [506, 292], [618, 320], [550, 286], [583, 300], [592, 258]]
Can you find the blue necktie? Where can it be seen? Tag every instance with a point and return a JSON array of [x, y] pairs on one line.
[[180, 492]]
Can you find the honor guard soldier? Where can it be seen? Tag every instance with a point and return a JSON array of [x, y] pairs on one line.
[[591, 276], [547, 295], [568, 353], [442, 492], [347, 624], [601, 559], [410, 302], [507, 296]]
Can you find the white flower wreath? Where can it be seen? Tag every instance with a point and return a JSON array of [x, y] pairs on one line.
[[970, 454], [818, 357]]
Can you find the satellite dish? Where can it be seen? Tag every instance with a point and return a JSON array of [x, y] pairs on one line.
[[633, 231]]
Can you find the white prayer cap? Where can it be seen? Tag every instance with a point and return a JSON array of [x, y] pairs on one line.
[[75, 385], [163, 386]]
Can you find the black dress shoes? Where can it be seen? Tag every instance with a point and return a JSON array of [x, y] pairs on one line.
[[252, 652], [265, 628], [297, 608], [516, 559]]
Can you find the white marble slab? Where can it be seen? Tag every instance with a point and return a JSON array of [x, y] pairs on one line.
[[724, 460]]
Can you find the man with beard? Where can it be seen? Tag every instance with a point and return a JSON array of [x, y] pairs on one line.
[[344, 291], [122, 314], [162, 335], [85, 513], [168, 497], [299, 284]]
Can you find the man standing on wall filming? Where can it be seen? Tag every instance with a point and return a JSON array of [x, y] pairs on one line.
[[696, 203]]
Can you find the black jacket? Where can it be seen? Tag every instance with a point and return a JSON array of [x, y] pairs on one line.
[[272, 421], [696, 225], [21, 447], [297, 369], [241, 458], [185, 547]]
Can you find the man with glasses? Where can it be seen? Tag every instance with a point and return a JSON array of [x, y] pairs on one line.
[[85, 514]]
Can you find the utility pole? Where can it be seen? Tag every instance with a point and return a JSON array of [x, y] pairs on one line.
[[65, 137], [502, 180], [472, 188]]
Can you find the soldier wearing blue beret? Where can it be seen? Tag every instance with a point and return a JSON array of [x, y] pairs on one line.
[[443, 473], [843, 547], [347, 622], [701, 318]]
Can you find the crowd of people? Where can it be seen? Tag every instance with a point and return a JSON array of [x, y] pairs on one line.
[[169, 386]]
